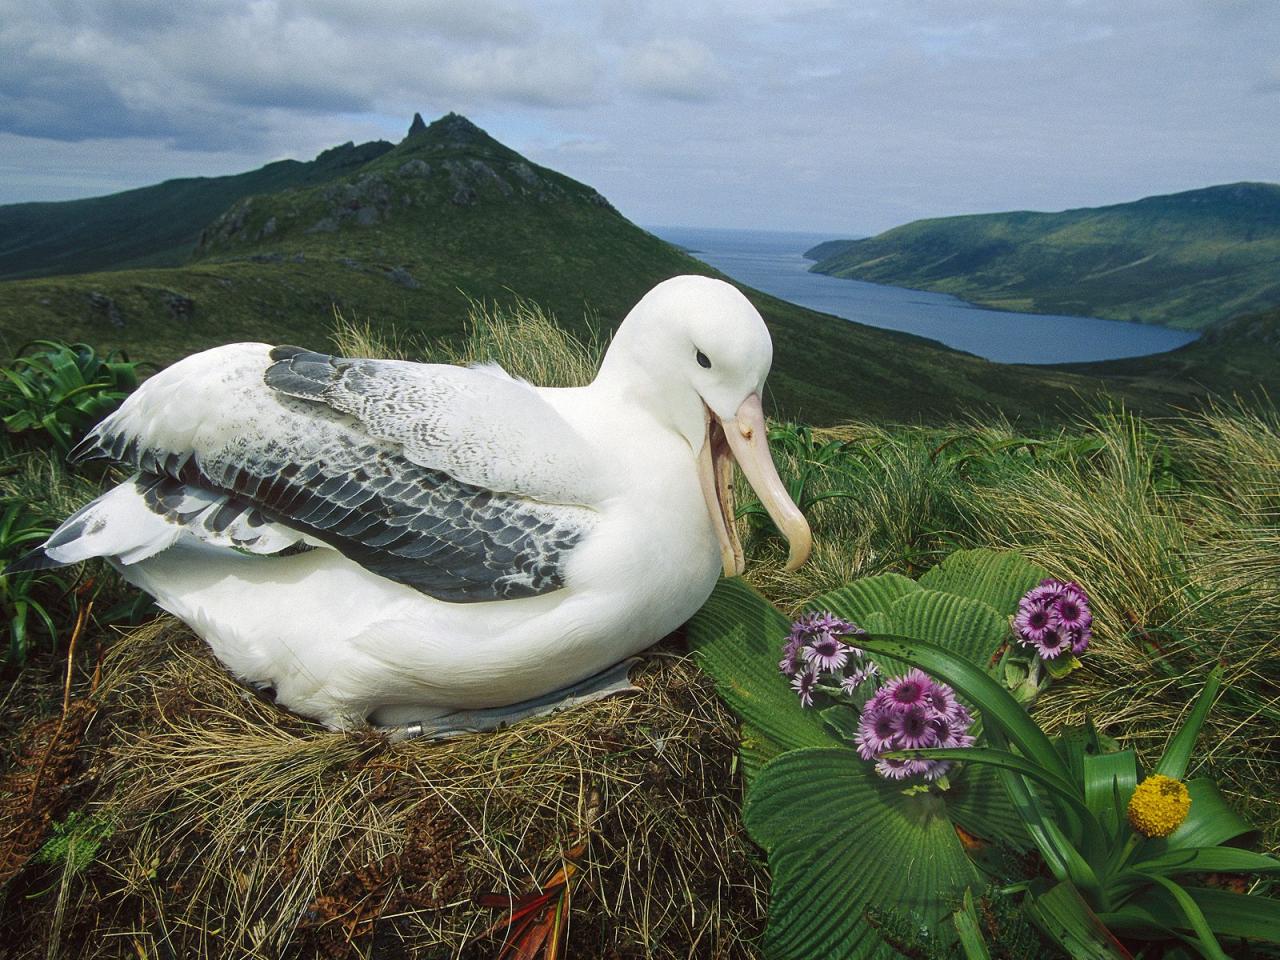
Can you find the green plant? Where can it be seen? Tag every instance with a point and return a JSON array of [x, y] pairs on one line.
[[75, 841], [53, 392], [822, 815], [820, 812], [1115, 871], [26, 598]]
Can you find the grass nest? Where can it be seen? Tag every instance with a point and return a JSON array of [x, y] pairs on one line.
[[208, 822]]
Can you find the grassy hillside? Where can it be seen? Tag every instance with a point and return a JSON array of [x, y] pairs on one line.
[[1237, 357], [1186, 260], [152, 226], [407, 237]]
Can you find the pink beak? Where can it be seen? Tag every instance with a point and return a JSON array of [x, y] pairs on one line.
[[747, 438]]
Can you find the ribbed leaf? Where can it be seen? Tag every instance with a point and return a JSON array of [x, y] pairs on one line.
[[737, 636], [1208, 943], [841, 840], [968, 628], [998, 578], [978, 803], [858, 600]]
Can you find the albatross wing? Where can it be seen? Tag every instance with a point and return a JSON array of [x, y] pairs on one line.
[[460, 483]]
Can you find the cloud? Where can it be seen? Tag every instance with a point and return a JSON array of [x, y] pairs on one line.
[[676, 68]]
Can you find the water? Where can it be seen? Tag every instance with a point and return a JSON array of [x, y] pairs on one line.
[[774, 262]]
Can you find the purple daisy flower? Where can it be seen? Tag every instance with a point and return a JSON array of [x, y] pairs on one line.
[[897, 769], [790, 652], [1034, 617], [1048, 590], [1073, 609], [908, 689], [875, 733], [1053, 643], [861, 675], [912, 728], [1080, 640], [802, 683], [940, 697], [935, 769], [826, 653]]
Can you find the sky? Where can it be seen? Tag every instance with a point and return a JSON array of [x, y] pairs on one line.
[[830, 116]]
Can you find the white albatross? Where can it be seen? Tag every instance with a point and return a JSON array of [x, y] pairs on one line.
[[393, 542]]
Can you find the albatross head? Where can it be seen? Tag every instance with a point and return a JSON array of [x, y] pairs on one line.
[[697, 354]]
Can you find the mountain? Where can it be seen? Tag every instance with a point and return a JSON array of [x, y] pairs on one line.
[[153, 226], [1186, 259], [409, 235]]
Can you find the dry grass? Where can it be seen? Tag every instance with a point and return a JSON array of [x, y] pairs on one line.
[[242, 831]]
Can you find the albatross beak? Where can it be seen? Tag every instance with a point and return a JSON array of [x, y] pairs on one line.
[[747, 438]]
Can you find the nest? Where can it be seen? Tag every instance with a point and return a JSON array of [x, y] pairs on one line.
[[228, 827]]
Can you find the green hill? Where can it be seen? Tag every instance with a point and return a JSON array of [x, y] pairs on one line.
[[407, 236], [153, 226], [1187, 259], [1238, 357]]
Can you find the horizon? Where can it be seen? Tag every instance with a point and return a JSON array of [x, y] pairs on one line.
[[807, 116]]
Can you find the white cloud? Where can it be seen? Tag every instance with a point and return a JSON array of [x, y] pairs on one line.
[[678, 68]]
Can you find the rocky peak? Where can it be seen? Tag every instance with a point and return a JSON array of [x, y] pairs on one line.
[[418, 126]]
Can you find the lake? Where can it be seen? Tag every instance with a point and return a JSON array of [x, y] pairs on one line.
[[773, 262]]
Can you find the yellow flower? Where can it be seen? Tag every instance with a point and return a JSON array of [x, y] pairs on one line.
[[1159, 805]]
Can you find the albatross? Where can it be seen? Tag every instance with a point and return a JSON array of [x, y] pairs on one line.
[[399, 543]]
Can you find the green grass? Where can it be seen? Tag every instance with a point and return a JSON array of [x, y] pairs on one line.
[[1186, 260]]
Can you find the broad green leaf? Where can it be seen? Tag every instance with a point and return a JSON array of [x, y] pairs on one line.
[[1178, 753], [1064, 916], [1109, 782], [998, 578], [841, 840], [968, 628], [1238, 914], [978, 803], [737, 636], [1210, 821], [858, 600]]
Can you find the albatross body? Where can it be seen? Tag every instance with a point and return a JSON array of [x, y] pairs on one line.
[[388, 541]]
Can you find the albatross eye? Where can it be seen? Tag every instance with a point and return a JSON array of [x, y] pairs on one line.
[[703, 361]]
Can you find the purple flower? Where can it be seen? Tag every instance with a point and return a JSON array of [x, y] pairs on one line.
[[826, 653], [1033, 619], [790, 652], [803, 683], [913, 729], [908, 689], [1054, 617], [898, 769], [861, 675], [1053, 643], [875, 733]]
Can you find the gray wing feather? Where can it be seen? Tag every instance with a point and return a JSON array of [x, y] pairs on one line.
[[314, 469]]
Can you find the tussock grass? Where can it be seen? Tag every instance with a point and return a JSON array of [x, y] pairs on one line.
[[527, 342], [240, 830], [1172, 526]]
